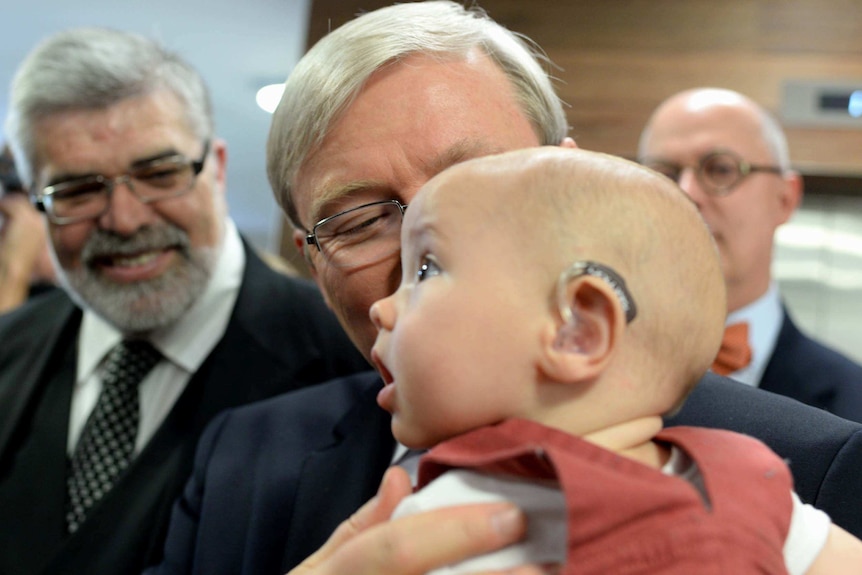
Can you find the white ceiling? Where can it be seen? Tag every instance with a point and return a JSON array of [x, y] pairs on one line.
[[237, 45]]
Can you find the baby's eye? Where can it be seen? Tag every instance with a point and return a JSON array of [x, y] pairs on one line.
[[428, 268]]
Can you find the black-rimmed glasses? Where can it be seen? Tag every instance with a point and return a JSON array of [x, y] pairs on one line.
[[718, 172], [359, 236], [90, 197]]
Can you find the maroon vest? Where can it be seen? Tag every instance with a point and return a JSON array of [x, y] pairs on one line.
[[627, 518]]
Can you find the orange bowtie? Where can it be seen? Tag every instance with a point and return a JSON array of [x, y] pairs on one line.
[[735, 352]]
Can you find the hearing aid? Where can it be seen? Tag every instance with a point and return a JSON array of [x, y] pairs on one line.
[[579, 334]]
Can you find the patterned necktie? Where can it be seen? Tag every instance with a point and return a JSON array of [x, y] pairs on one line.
[[735, 352], [108, 439]]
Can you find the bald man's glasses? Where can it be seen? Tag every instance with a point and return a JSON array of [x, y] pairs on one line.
[[363, 235], [717, 172]]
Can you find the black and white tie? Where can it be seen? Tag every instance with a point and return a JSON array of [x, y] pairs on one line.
[[107, 442]]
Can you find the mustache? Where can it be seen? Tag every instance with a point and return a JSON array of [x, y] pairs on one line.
[[103, 243]]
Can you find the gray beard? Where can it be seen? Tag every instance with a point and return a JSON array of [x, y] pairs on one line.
[[143, 306]]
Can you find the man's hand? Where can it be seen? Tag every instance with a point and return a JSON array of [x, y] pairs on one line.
[[369, 544]]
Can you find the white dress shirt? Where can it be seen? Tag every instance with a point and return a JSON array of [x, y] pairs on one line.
[[764, 316], [407, 459], [185, 345]]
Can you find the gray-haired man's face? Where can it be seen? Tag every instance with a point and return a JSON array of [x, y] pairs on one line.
[[409, 122], [140, 265]]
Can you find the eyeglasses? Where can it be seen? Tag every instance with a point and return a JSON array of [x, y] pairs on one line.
[[603, 272], [362, 235], [718, 172], [90, 197]]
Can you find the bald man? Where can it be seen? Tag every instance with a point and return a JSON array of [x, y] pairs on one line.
[[731, 157]]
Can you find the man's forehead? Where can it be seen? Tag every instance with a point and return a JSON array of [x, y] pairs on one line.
[[695, 135], [132, 129], [332, 194], [461, 189], [448, 111]]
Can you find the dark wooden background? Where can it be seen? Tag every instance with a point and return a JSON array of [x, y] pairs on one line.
[[619, 58]]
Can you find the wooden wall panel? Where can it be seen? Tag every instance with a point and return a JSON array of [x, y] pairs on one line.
[[619, 58], [639, 82]]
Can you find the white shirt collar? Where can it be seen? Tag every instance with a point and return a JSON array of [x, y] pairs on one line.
[[187, 342], [764, 316]]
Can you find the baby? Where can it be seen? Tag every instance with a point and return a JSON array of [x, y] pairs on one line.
[[554, 305]]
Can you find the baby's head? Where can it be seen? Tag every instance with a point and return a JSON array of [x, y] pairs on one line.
[[522, 273]]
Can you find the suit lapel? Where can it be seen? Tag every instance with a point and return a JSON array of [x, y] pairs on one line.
[[145, 494], [237, 371], [336, 481], [784, 371], [232, 374], [36, 344], [240, 368], [32, 495]]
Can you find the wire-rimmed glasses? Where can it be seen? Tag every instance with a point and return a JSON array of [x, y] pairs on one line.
[[90, 197], [718, 172], [359, 236]]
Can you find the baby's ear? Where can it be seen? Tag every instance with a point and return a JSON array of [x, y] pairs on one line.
[[578, 344]]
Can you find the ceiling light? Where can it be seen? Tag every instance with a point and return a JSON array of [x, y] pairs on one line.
[[269, 96]]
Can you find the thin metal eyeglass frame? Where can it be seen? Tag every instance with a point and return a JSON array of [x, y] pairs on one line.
[[110, 183], [311, 237]]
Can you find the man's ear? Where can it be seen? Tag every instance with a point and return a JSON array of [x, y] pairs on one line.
[[305, 249], [568, 143], [218, 148], [578, 345], [791, 195]]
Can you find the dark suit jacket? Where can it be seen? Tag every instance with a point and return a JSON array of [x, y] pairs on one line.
[[273, 480], [280, 337], [806, 370]]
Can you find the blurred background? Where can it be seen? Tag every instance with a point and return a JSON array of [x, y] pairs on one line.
[[615, 61]]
